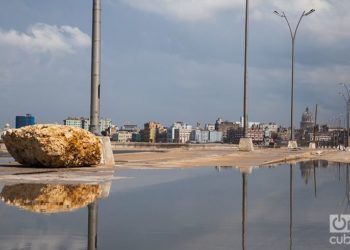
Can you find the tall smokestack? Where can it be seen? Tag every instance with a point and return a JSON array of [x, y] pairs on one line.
[[95, 68]]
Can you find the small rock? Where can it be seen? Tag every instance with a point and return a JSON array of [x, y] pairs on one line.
[[53, 146]]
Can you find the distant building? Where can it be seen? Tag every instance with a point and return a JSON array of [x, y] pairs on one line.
[[122, 136], [181, 132], [225, 127], [250, 124], [130, 128], [210, 127], [270, 127], [199, 136], [153, 132], [84, 123], [215, 136], [256, 133], [110, 131], [307, 120], [171, 131], [27, 120], [136, 137], [105, 124], [74, 122], [7, 127]]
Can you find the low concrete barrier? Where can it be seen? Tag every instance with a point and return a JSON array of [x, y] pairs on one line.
[[165, 146], [158, 146]]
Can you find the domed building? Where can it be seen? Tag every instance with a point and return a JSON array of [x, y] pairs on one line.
[[307, 120]]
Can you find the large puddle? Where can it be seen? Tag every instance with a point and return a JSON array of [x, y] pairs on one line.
[[219, 208]]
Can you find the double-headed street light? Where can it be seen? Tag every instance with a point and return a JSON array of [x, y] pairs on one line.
[[293, 36], [347, 101]]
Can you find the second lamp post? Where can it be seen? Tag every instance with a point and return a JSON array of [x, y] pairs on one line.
[[293, 36]]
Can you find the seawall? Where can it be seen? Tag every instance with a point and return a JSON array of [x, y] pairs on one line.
[[158, 146], [167, 146]]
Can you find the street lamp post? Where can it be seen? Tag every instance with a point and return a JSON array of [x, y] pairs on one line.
[[95, 68], [293, 36], [245, 102], [347, 101], [245, 143]]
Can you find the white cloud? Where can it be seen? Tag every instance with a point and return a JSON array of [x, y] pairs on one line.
[[194, 10], [44, 38], [185, 9], [330, 23]]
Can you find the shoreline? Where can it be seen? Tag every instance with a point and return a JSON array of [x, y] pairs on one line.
[[207, 157]]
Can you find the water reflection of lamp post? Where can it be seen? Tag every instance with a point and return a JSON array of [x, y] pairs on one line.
[[315, 184], [291, 207], [293, 36], [92, 225], [245, 172], [347, 186], [244, 209]]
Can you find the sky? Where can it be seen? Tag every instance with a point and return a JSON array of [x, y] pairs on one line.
[[172, 60]]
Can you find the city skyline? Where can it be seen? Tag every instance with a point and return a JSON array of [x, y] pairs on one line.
[[166, 61]]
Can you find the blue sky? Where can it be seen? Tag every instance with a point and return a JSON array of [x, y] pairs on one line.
[[170, 60]]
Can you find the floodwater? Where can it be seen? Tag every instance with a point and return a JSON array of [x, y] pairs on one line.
[[218, 208]]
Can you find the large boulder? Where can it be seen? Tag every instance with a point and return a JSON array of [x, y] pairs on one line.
[[53, 146]]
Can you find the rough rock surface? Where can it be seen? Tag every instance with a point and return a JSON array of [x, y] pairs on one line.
[[51, 198], [53, 146]]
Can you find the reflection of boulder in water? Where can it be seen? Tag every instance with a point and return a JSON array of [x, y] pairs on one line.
[[53, 198]]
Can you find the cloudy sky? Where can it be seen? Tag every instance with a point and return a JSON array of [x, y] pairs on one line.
[[170, 60]]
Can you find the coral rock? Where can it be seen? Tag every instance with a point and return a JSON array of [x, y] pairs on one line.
[[53, 146]]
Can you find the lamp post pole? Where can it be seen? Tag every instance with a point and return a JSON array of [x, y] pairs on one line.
[[245, 97], [293, 36], [95, 68]]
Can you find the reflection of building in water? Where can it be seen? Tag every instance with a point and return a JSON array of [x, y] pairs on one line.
[[53, 198], [307, 168]]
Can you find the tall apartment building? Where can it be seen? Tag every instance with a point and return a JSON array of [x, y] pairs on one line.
[[27, 120], [153, 132], [181, 132]]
